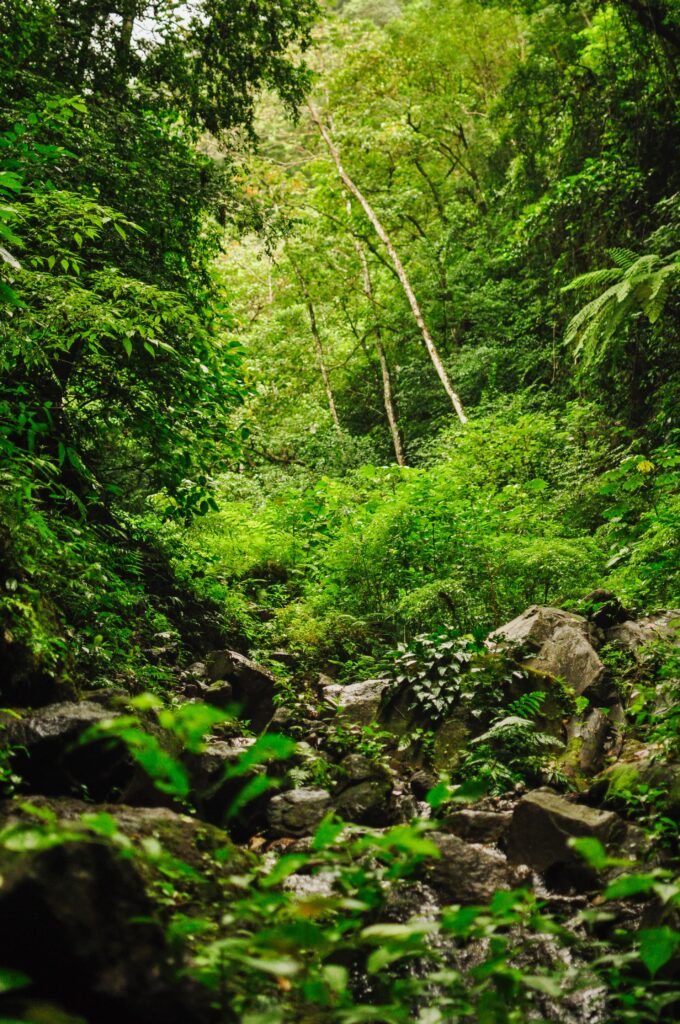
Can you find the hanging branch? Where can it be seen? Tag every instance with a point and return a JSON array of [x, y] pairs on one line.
[[398, 265]]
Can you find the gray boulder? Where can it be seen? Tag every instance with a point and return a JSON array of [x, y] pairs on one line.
[[586, 743], [635, 633], [365, 803], [252, 685], [50, 759], [542, 825], [469, 872], [558, 643], [298, 812], [359, 702]]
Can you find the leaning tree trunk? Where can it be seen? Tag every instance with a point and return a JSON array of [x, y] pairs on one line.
[[396, 262], [388, 398], [318, 345]]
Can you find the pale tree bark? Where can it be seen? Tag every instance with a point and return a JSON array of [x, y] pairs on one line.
[[388, 397], [396, 262], [314, 327]]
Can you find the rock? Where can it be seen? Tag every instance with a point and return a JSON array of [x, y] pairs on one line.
[[298, 812], [586, 740], [282, 720], [563, 644], [625, 777], [180, 835], [634, 634], [217, 757], [48, 756], [480, 826], [604, 609], [365, 803], [469, 872], [358, 767], [542, 825], [422, 781], [253, 685], [215, 794], [617, 721], [360, 702], [220, 694], [83, 928], [450, 739]]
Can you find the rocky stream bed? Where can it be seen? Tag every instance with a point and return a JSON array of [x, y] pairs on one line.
[[83, 919]]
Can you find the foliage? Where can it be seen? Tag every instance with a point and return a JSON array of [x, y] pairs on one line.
[[636, 283], [436, 673]]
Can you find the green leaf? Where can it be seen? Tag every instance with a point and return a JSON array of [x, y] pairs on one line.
[[281, 967], [657, 946], [327, 832], [592, 851], [10, 980], [285, 866], [542, 983], [629, 885]]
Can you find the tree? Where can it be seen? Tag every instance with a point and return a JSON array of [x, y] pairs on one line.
[[396, 261]]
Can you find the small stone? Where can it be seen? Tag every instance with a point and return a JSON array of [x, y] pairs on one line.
[[366, 803], [480, 826]]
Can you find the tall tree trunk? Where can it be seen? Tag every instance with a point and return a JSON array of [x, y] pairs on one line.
[[398, 265], [318, 345], [388, 397]]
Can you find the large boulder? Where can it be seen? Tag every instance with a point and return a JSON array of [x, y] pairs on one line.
[[557, 643], [252, 685], [469, 872], [83, 925], [542, 825], [49, 757], [298, 812]]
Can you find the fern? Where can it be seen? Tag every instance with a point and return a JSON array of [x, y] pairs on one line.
[[636, 284], [528, 705]]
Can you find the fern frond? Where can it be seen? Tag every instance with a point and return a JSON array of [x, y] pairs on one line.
[[638, 283], [603, 276], [588, 313], [623, 258], [643, 266]]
